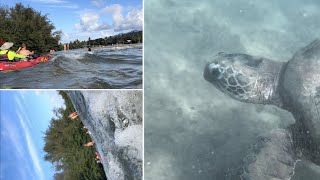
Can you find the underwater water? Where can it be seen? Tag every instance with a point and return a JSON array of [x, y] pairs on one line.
[[114, 119], [192, 130], [102, 68]]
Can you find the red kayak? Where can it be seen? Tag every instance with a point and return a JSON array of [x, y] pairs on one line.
[[98, 155], [6, 66]]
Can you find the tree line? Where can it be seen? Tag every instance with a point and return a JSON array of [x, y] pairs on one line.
[[124, 38], [21, 24], [64, 147]]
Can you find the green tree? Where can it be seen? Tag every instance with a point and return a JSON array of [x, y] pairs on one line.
[[22, 24], [134, 37]]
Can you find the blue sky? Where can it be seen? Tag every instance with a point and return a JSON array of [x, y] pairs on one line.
[[81, 19], [25, 116]]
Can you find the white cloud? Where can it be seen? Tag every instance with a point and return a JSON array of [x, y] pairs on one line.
[[84, 35], [98, 3], [133, 19], [49, 1], [107, 33], [67, 6], [11, 134], [30, 145], [32, 150], [55, 100], [115, 8], [57, 4], [91, 21], [23, 94], [21, 110]]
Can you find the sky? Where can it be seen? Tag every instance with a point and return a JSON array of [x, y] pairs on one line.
[[81, 19], [25, 116]]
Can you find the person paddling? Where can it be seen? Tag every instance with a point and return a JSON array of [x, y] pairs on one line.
[[52, 51], [7, 55], [2, 41], [24, 51], [73, 115], [89, 144]]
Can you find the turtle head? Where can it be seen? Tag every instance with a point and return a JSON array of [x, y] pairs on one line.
[[243, 77]]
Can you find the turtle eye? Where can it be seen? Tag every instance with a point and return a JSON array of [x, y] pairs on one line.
[[216, 71]]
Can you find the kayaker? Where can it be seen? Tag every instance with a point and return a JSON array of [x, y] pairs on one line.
[[98, 157], [73, 115], [6, 54], [66, 47], [24, 51], [89, 144]]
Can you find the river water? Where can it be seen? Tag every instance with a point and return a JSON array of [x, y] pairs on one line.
[[102, 68], [192, 130]]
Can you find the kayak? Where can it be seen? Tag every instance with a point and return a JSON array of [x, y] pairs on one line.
[[98, 155], [6, 66]]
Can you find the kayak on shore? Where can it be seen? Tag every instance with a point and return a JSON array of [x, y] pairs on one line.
[[6, 66]]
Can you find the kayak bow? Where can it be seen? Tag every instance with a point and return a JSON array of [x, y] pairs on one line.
[[5, 66]]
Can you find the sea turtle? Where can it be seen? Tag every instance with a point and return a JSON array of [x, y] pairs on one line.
[[293, 86]]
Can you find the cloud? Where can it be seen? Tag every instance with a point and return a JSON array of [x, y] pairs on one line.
[[91, 21], [115, 8], [98, 3], [32, 150], [20, 106], [11, 134], [133, 19], [55, 100], [30, 145], [84, 35], [49, 1], [67, 6], [107, 33], [26, 133], [57, 4]]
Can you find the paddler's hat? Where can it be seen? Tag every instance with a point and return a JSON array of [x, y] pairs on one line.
[[6, 45]]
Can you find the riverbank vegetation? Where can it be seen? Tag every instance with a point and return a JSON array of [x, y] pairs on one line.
[[21, 24], [125, 38], [64, 147]]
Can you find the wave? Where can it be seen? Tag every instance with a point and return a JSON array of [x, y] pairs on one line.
[[103, 56], [79, 69]]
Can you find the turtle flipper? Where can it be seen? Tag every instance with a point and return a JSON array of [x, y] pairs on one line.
[[271, 157]]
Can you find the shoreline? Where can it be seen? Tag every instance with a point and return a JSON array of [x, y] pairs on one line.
[[112, 46]]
